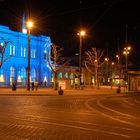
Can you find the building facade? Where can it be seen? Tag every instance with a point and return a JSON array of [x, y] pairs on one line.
[[14, 69], [133, 80]]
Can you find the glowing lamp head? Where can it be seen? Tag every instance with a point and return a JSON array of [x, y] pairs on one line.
[[129, 48], [81, 33], [29, 24]]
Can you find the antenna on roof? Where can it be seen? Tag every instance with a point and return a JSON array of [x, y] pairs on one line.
[[24, 30]]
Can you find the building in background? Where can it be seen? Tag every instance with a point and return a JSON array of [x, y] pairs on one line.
[[15, 68]]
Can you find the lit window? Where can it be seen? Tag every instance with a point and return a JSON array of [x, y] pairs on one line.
[[33, 75], [33, 53], [24, 53], [21, 51], [71, 76], [23, 73], [12, 75], [12, 50], [66, 75], [12, 72], [1, 76], [60, 75]]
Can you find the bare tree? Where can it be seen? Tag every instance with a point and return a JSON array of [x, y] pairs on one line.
[[94, 62], [3, 56], [59, 62]]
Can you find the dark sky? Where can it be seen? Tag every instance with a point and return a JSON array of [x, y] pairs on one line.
[[104, 20]]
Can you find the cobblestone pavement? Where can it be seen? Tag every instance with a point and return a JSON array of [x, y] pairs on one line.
[[50, 91], [98, 117]]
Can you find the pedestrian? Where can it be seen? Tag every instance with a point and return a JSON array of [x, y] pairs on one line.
[[36, 86], [32, 85], [45, 83], [14, 86]]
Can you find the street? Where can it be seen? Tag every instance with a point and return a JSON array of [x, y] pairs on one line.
[[75, 117]]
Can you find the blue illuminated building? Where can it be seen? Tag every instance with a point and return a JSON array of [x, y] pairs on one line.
[[14, 69]]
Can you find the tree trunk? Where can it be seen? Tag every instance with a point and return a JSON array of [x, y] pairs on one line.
[[55, 81]]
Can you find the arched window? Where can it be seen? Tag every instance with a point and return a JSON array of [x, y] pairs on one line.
[[60, 75], [12, 75], [33, 75], [12, 72], [1, 76], [71, 76], [23, 73], [66, 75]]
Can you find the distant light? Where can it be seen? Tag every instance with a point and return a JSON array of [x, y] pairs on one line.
[[106, 59], [129, 48], [76, 53], [24, 31]]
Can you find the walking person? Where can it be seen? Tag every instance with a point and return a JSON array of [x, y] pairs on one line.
[[14, 86], [33, 86], [36, 86]]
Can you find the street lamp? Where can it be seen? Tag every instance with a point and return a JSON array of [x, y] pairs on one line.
[[106, 59], [119, 70], [29, 26], [118, 57], [81, 34], [126, 52]]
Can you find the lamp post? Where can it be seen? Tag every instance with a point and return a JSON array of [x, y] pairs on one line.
[[126, 52], [118, 57], [106, 59], [119, 70], [29, 26], [81, 35]]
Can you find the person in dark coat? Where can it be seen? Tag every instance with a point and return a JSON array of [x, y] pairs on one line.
[[33, 85]]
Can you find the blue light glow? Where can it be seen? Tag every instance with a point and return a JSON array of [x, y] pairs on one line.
[[14, 68]]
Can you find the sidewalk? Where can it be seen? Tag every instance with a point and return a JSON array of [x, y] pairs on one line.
[[50, 91]]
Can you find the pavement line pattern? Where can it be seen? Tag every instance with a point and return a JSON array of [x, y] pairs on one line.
[[68, 125], [87, 103], [112, 110]]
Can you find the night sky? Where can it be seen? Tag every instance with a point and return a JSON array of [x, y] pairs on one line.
[[104, 20]]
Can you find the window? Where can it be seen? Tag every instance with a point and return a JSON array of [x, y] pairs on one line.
[[71, 76], [33, 75], [12, 50], [24, 53], [21, 51], [60, 75], [12, 75], [33, 53], [66, 75], [1, 76], [12, 72]]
